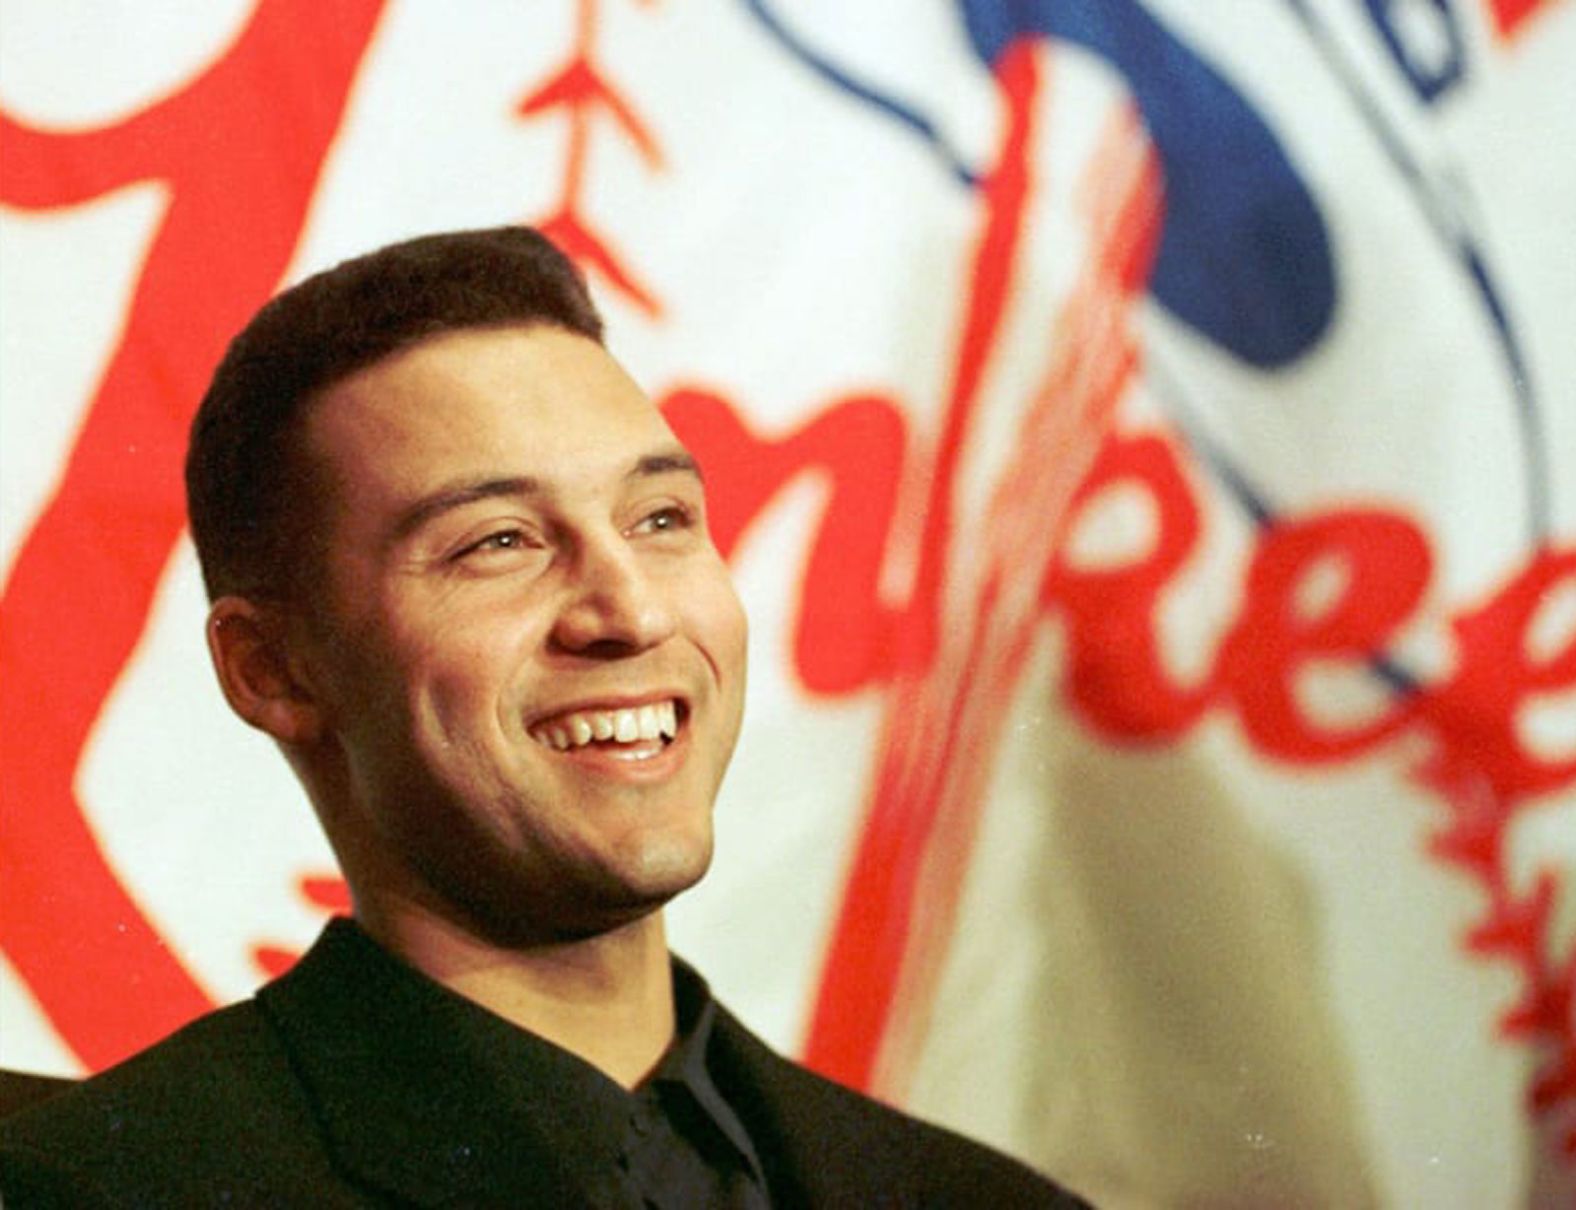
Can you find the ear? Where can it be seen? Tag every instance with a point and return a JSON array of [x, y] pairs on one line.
[[261, 680]]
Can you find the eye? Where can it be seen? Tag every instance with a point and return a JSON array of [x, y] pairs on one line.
[[666, 519], [500, 540]]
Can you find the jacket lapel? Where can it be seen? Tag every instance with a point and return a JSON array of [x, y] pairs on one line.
[[814, 1139], [414, 1087], [822, 1145]]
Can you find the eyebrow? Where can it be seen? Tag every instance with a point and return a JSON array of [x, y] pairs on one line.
[[675, 461], [458, 495]]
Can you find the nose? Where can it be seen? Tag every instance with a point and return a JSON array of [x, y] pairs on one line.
[[614, 607]]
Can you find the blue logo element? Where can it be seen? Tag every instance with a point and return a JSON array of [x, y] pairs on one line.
[[1244, 255]]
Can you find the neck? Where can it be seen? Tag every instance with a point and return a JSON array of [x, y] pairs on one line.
[[607, 999]]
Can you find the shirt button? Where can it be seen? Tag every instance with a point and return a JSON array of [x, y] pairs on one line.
[[638, 1125]]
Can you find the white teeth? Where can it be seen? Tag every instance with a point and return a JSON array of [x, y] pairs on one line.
[[649, 727], [655, 720]]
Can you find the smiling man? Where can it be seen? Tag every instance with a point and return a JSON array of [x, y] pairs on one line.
[[461, 575]]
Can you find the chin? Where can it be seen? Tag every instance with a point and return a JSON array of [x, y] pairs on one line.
[[517, 911], [669, 867]]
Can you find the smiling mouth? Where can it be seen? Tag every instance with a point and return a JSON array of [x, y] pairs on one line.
[[632, 732]]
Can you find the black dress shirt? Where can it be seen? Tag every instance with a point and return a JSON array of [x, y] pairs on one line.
[[673, 1143]]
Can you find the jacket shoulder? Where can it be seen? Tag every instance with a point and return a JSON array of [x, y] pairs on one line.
[[173, 1117], [834, 1142]]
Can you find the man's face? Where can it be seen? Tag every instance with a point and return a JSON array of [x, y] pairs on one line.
[[525, 646]]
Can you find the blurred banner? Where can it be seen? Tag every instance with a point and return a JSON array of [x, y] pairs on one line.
[[1145, 437]]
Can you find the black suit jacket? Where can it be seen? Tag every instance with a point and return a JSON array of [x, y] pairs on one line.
[[351, 1082]]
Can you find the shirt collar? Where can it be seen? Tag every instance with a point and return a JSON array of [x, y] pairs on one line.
[[688, 1061]]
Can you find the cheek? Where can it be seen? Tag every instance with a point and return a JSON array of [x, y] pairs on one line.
[[386, 679], [462, 677], [460, 687], [716, 618]]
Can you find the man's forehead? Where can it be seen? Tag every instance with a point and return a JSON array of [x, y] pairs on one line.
[[515, 362], [528, 403]]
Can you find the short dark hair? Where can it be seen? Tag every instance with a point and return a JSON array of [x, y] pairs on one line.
[[247, 490]]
